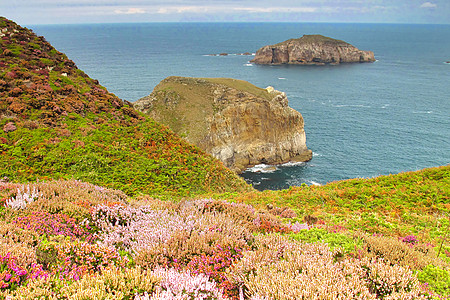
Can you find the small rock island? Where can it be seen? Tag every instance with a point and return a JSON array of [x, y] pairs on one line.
[[240, 124], [312, 50]]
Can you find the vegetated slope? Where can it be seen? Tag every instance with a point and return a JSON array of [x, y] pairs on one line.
[[73, 240], [56, 122], [397, 205]]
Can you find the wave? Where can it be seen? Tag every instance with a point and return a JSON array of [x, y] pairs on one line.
[[281, 78], [314, 182], [350, 105], [293, 164], [315, 154], [423, 112], [262, 168], [248, 65]]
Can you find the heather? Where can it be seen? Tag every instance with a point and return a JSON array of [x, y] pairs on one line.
[[99, 202], [56, 122], [410, 203], [75, 239]]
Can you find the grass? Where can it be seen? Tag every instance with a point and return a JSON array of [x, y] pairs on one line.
[[242, 85], [70, 127], [407, 203], [314, 39], [61, 237]]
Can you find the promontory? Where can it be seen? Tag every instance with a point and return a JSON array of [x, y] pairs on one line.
[[233, 120], [312, 50]]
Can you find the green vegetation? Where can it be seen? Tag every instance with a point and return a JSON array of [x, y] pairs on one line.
[[333, 239], [60, 238], [241, 85], [314, 38], [56, 122], [407, 203], [436, 278]]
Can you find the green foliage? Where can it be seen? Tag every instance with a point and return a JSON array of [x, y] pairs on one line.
[[334, 240], [416, 203], [437, 279], [68, 126]]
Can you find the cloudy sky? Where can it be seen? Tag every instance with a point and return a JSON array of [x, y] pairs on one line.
[[29, 12]]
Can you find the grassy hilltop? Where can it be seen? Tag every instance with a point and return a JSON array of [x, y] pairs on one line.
[[56, 122], [80, 216]]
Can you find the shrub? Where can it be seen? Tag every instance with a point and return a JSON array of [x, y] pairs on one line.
[[134, 229], [437, 279], [397, 252], [23, 197], [334, 240], [45, 223], [73, 259], [182, 285], [111, 283], [283, 269], [210, 231], [73, 198], [11, 275]]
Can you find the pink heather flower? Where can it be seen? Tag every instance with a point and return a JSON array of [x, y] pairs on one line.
[[410, 239], [23, 198], [296, 227]]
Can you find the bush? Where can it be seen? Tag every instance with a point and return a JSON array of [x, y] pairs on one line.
[[284, 269], [334, 240], [414, 256], [437, 279]]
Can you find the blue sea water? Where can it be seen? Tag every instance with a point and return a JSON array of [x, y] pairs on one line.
[[361, 120]]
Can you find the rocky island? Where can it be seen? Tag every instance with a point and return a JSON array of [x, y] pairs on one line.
[[238, 123], [312, 50]]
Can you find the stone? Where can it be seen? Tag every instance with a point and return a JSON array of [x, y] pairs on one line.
[[312, 50], [238, 123]]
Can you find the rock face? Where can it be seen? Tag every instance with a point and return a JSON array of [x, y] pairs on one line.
[[312, 50], [235, 121]]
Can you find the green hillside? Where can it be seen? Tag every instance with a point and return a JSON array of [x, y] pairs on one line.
[[80, 177], [408, 203], [56, 122]]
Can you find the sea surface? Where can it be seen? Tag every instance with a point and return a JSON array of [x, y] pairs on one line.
[[361, 120]]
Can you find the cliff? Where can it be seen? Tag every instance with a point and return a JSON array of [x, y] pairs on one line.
[[235, 121], [56, 122], [312, 50]]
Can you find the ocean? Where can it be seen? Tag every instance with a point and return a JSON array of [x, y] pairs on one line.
[[361, 120]]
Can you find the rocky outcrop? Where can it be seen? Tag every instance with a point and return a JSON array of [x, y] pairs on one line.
[[312, 50], [235, 121]]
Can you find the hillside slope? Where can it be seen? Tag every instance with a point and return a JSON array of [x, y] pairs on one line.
[[56, 122]]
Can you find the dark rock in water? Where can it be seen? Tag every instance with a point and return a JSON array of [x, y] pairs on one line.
[[223, 54], [312, 50]]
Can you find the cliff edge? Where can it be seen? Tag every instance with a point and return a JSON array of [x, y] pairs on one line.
[[312, 50], [238, 123]]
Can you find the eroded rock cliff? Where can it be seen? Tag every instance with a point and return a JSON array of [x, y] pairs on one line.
[[312, 49], [235, 121]]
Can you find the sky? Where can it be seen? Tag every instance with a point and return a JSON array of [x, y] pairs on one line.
[[31, 12]]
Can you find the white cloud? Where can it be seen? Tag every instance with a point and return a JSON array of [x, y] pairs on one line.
[[186, 9], [277, 9], [428, 5], [228, 9], [129, 11]]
